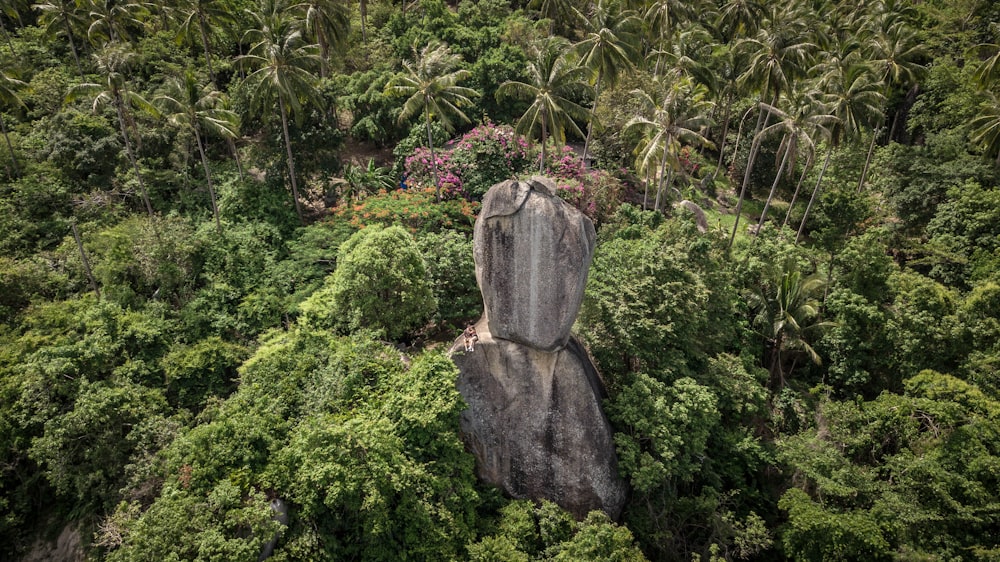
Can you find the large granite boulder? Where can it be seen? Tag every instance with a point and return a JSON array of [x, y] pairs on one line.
[[532, 252], [535, 425]]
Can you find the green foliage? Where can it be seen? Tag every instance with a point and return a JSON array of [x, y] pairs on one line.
[[657, 298], [374, 113], [816, 534], [925, 330], [452, 273], [84, 147], [526, 531], [84, 451], [224, 524], [901, 473], [364, 447], [142, 257], [411, 208], [380, 283], [665, 429], [200, 370], [965, 235], [35, 210]]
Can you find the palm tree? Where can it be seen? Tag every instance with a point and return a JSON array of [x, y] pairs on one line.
[[986, 127], [329, 21], [9, 97], [561, 14], [11, 9], [664, 19], [115, 20], [800, 125], [202, 16], [112, 62], [553, 80], [676, 114], [788, 317], [283, 63], [894, 51], [607, 49], [61, 17], [854, 99], [431, 82], [193, 107], [776, 56], [739, 18]]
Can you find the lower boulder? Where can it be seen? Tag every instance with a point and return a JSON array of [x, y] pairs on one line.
[[535, 425]]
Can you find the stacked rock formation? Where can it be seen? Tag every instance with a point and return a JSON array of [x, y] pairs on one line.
[[534, 420]]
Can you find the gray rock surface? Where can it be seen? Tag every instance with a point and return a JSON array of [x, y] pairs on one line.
[[532, 253], [535, 424]]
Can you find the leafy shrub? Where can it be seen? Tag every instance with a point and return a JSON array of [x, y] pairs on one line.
[[380, 283], [452, 272], [413, 209]]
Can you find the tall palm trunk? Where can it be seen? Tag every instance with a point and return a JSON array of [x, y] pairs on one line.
[[795, 195], [364, 20], [754, 149], [541, 164], [660, 182], [208, 180], [72, 45], [645, 191], [10, 147], [119, 107], [203, 26], [593, 115], [430, 145], [868, 159], [291, 161], [802, 225], [722, 144], [236, 156], [774, 187]]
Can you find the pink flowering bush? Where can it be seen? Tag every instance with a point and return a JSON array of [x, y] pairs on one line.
[[595, 192], [419, 173], [484, 156]]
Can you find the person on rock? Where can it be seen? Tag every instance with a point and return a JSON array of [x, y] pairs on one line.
[[470, 338]]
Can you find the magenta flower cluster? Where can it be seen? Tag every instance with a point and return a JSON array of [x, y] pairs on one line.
[[485, 155], [419, 173]]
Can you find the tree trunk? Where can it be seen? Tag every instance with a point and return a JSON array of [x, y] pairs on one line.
[[10, 147], [868, 160], [645, 191], [725, 131], [324, 54], [203, 26], [802, 225], [739, 135], [208, 180], [72, 45], [131, 155], [86, 263], [774, 188], [659, 183], [430, 145], [9, 42], [795, 195], [291, 161], [593, 115], [754, 149], [364, 18], [541, 164], [236, 156]]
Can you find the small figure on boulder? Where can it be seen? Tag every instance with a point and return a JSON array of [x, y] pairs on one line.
[[471, 337]]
